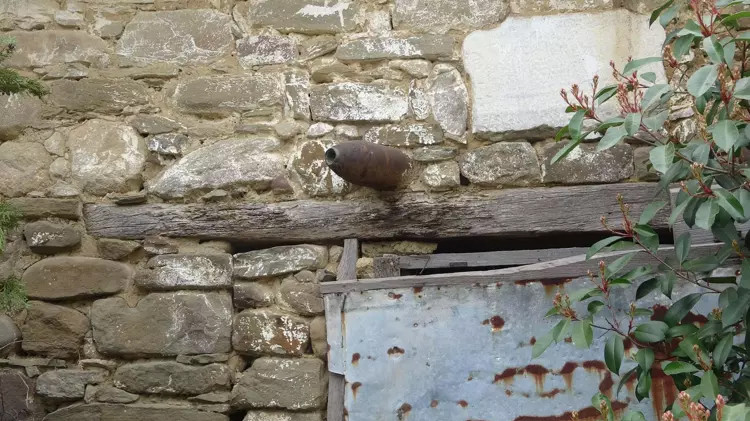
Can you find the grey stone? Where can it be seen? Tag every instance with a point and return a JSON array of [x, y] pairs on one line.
[[202, 359], [187, 37], [48, 238], [153, 124], [315, 47], [642, 164], [69, 19], [26, 362], [430, 47], [258, 50], [97, 363], [540, 7], [106, 156], [409, 135], [18, 112], [328, 69], [302, 297], [9, 335], [279, 261], [318, 336], [45, 48], [231, 164], [129, 198], [305, 16], [265, 332], [400, 248], [449, 100], [642, 7], [219, 96], [28, 15], [23, 167], [440, 16], [296, 384], [68, 384], [419, 101], [169, 144], [586, 165], [415, 68], [182, 271], [502, 164], [441, 176], [112, 394], [172, 378], [252, 295], [19, 402], [211, 397], [158, 245], [317, 130], [107, 96], [36, 208], [348, 101], [114, 249], [434, 154], [54, 331], [282, 416], [119, 412], [61, 278], [297, 93], [178, 323]]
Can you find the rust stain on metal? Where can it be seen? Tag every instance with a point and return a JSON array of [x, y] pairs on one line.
[[417, 290], [663, 389], [508, 392], [395, 351], [594, 366], [497, 323], [585, 414], [470, 378], [369, 164], [538, 372], [551, 393], [355, 386], [506, 376], [567, 373], [568, 339], [660, 311], [605, 386], [403, 411], [532, 341], [395, 296], [434, 404], [463, 404]]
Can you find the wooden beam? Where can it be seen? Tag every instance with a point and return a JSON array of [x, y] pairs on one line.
[[568, 267], [506, 213], [481, 259]]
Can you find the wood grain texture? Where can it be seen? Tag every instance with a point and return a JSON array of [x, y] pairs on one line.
[[481, 259], [336, 385], [508, 213], [347, 270], [568, 267]]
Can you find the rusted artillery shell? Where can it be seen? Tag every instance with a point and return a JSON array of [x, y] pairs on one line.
[[368, 164]]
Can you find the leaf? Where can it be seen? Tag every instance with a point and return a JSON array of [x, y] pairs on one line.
[[636, 64], [725, 134], [742, 88], [568, 148], [612, 122], [679, 367], [682, 247], [560, 329], [686, 346], [745, 274], [649, 77], [661, 157], [594, 306], [702, 80], [737, 309], [668, 15], [634, 416], [650, 211], [561, 133], [733, 18], [706, 214], [666, 283], [730, 203], [654, 94], [596, 401], [709, 385], [583, 334], [576, 123], [727, 296], [614, 350], [722, 349], [678, 210], [656, 122], [646, 287], [651, 331], [691, 27], [647, 236], [702, 264], [618, 265], [645, 358], [644, 385], [638, 272], [682, 45], [681, 330], [599, 245], [632, 123], [702, 153], [655, 14], [613, 136], [680, 309], [541, 345], [713, 49]]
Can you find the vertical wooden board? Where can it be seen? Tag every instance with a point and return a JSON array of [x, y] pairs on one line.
[[334, 304], [336, 386]]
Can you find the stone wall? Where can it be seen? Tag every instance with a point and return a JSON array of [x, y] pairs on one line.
[[223, 100]]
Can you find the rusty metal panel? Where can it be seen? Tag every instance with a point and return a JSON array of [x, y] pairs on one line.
[[464, 353]]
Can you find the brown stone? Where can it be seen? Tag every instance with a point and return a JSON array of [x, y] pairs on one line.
[[296, 384], [113, 249], [252, 295], [37, 208], [108, 96], [53, 330], [259, 332], [60, 278], [318, 336], [302, 297], [48, 238], [118, 412], [585, 165], [18, 402], [172, 378]]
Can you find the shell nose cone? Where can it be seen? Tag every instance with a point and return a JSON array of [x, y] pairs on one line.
[[331, 156]]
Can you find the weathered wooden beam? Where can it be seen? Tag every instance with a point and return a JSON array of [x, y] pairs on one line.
[[481, 259], [506, 213], [568, 267]]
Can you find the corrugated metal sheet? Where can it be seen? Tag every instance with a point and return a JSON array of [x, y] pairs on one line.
[[464, 353]]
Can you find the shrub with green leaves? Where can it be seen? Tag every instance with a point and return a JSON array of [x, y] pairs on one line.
[[10, 81], [706, 56]]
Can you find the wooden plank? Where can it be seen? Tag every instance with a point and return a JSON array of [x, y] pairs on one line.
[[386, 266], [336, 389], [507, 213], [569, 267], [347, 270], [334, 307], [483, 259]]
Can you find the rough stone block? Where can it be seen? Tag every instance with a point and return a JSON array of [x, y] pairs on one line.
[[449, 100], [315, 177], [642, 164], [178, 323], [439, 16], [181, 271], [219, 96], [45, 48], [409, 135], [434, 154], [319, 337], [106, 156], [18, 112], [586, 165], [305, 16], [9, 335], [54, 331], [18, 403], [441, 176], [36, 208], [296, 384], [297, 93], [538, 7], [107, 96], [23, 167], [349, 101], [172, 378], [119, 412], [67, 384], [502, 164], [252, 295], [282, 416], [264, 332], [279, 261], [153, 124], [49, 238], [28, 15], [180, 36], [430, 47], [110, 394], [114, 249], [258, 50], [231, 164], [60, 278], [169, 144], [302, 297], [517, 94]]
